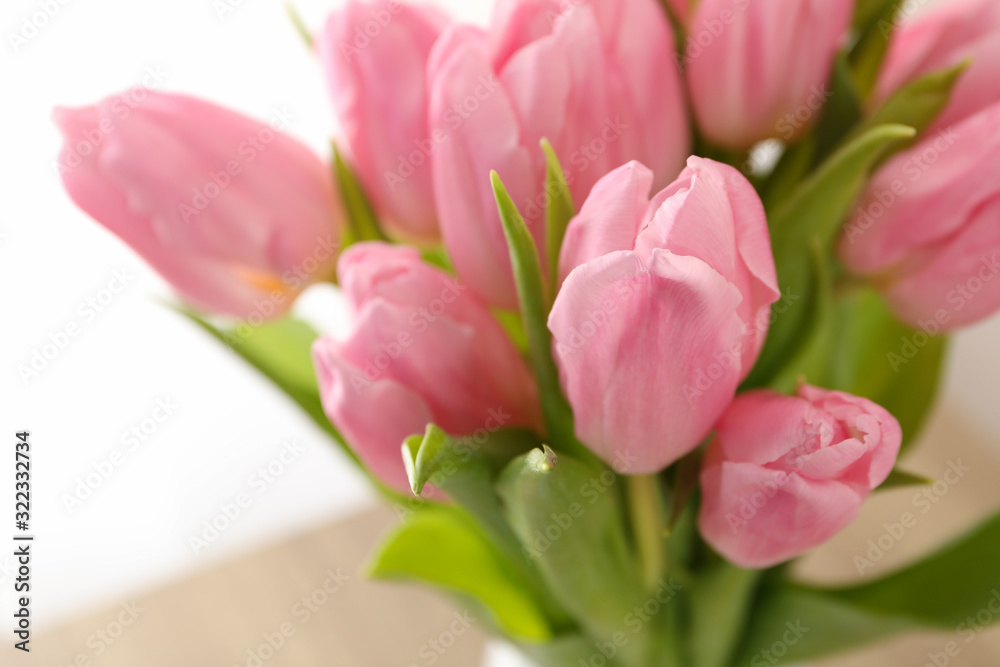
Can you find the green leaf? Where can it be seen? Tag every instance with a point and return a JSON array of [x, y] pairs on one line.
[[899, 477], [440, 546], [876, 356], [919, 102], [300, 26], [874, 25], [721, 597], [790, 624], [841, 111], [942, 591], [467, 469], [568, 516], [558, 213], [816, 210], [534, 311], [361, 219]]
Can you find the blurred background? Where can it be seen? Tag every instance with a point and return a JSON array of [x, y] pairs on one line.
[[144, 430]]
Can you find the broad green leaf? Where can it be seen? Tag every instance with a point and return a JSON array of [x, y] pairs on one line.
[[440, 546], [558, 212], [721, 597], [568, 516], [361, 219], [943, 590], [917, 103], [899, 477], [817, 209], [534, 311], [568, 650], [466, 469], [875, 356], [790, 624]]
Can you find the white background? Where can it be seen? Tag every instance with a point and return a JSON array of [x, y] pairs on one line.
[[134, 531]]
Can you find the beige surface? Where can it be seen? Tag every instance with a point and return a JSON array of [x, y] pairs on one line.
[[217, 617]]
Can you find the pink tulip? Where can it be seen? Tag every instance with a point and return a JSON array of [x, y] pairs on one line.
[[423, 349], [786, 473], [663, 311], [758, 69], [944, 36], [236, 215], [375, 58], [927, 232], [596, 78]]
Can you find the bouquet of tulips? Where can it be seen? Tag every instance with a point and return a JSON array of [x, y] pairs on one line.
[[647, 297]]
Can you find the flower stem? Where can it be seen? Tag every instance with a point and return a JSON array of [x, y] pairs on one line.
[[648, 520]]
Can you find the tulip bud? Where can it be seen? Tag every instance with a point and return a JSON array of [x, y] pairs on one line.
[[234, 214], [663, 310], [927, 231], [786, 473], [422, 349], [595, 78], [939, 38], [375, 59], [758, 69]]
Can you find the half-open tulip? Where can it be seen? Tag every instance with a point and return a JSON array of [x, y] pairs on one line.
[[664, 308], [422, 349], [375, 59], [596, 78], [236, 215], [927, 232], [786, 473], [758, 69]]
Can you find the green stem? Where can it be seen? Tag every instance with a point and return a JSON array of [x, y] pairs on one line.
[[648, 522]]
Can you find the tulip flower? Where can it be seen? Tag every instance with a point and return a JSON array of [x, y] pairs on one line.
[[941, 37], [758, 69], [786, 473], [596, 78], [422, 349], [237, 216], [375, 58], [927, 231], [663, 310]]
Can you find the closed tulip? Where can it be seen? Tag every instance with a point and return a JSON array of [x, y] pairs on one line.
[[422, 349], [927, 231], [375, 59], [237, 216], [663, 310], [596, 78], [944, 36], [786, 473], [758, 69]]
